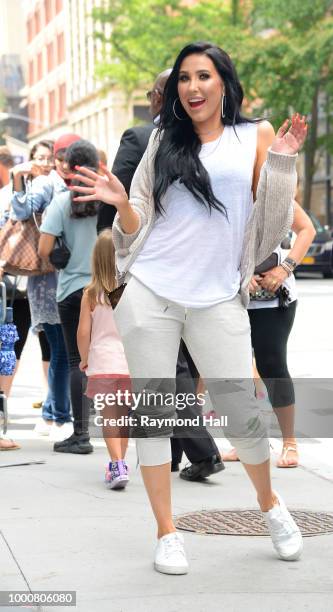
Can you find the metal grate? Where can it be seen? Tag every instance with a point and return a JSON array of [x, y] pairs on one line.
[[250, 522]]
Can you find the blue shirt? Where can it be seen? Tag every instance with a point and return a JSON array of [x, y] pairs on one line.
[[79, 236], [37, 195], [35, 198]]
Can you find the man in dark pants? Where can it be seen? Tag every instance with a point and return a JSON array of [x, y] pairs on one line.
[[200, 448]]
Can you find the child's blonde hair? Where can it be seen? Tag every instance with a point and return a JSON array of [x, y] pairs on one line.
[[103, 279]]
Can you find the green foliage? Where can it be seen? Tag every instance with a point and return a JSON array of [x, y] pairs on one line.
[[283, 53], [301, 15], [293, 61], [146, 36], [280, 70]]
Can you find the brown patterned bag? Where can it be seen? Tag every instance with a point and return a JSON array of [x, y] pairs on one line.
[[19, 248]]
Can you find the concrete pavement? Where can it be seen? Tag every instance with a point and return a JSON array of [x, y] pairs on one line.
[[62, 530], [65, 531]]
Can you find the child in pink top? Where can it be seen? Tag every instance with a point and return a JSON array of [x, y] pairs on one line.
[[103, 359]]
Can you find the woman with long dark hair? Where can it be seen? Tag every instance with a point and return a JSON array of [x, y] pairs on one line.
[[188, 241], [76, 225]]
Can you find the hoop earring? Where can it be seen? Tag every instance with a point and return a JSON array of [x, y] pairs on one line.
[[174, 111], [223, 105]]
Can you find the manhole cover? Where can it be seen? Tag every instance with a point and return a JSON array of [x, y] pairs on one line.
[[250, 522]]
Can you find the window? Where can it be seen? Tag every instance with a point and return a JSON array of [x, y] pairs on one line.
[[41, 110], [31, 72], [32, 117], [59, 6], [39, 66], [37, 21], [60, 48], [50, 57], [48, 10], [52, 106], [30, 29], [62, 101]]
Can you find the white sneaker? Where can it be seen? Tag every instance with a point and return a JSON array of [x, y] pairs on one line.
[[170, 556], [42, 427], [285, 534], [59, 433]]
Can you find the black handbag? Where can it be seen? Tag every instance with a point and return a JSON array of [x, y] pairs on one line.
[[271, 262], [115, 295], [60, 254], [263, 295]]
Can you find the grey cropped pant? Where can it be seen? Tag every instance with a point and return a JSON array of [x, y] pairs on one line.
[[219, 341]]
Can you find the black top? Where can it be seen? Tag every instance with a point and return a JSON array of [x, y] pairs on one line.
[[131, 149]]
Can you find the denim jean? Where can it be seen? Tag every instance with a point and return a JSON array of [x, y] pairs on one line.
[[69, 311], [57, 404]]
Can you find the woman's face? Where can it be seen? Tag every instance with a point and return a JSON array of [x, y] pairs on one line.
[[61, 166], [200, 90], [43, 158]]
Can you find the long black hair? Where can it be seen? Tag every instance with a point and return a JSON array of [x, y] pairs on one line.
[[177, 156], [82, 153]]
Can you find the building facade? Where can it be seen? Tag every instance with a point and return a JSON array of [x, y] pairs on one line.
[[95, 113], [46, 68], [63, 93], [12, 70]]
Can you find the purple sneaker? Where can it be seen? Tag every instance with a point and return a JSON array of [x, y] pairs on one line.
[[116, 475]]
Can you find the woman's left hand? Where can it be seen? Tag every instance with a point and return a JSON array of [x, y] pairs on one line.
[[273, 279], [289, 141]]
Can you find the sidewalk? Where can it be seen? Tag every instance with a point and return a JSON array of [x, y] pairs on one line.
[[62, 530]]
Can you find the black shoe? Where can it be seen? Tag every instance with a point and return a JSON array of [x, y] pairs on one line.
[[202, 469], [174, 467], [77, 444]]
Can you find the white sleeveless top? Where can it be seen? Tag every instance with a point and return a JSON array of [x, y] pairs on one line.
[[192, 257]]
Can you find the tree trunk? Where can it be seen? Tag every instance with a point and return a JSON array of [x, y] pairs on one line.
[[234, 11], [310, 151]]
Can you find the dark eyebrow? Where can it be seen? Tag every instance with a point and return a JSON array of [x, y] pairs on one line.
[[197, 71]]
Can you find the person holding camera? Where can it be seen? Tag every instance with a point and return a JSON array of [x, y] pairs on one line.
[[34, 189]]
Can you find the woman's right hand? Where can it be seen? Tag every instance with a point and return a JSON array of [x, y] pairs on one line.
[[253, 285], [106, 188]]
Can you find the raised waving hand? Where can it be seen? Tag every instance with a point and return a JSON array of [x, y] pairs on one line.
[[106, 187], [290, 137]]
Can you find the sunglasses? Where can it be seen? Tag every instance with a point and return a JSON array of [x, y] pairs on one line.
[[150, 93]]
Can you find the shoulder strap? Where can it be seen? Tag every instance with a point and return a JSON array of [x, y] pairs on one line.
[[16, 281]]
